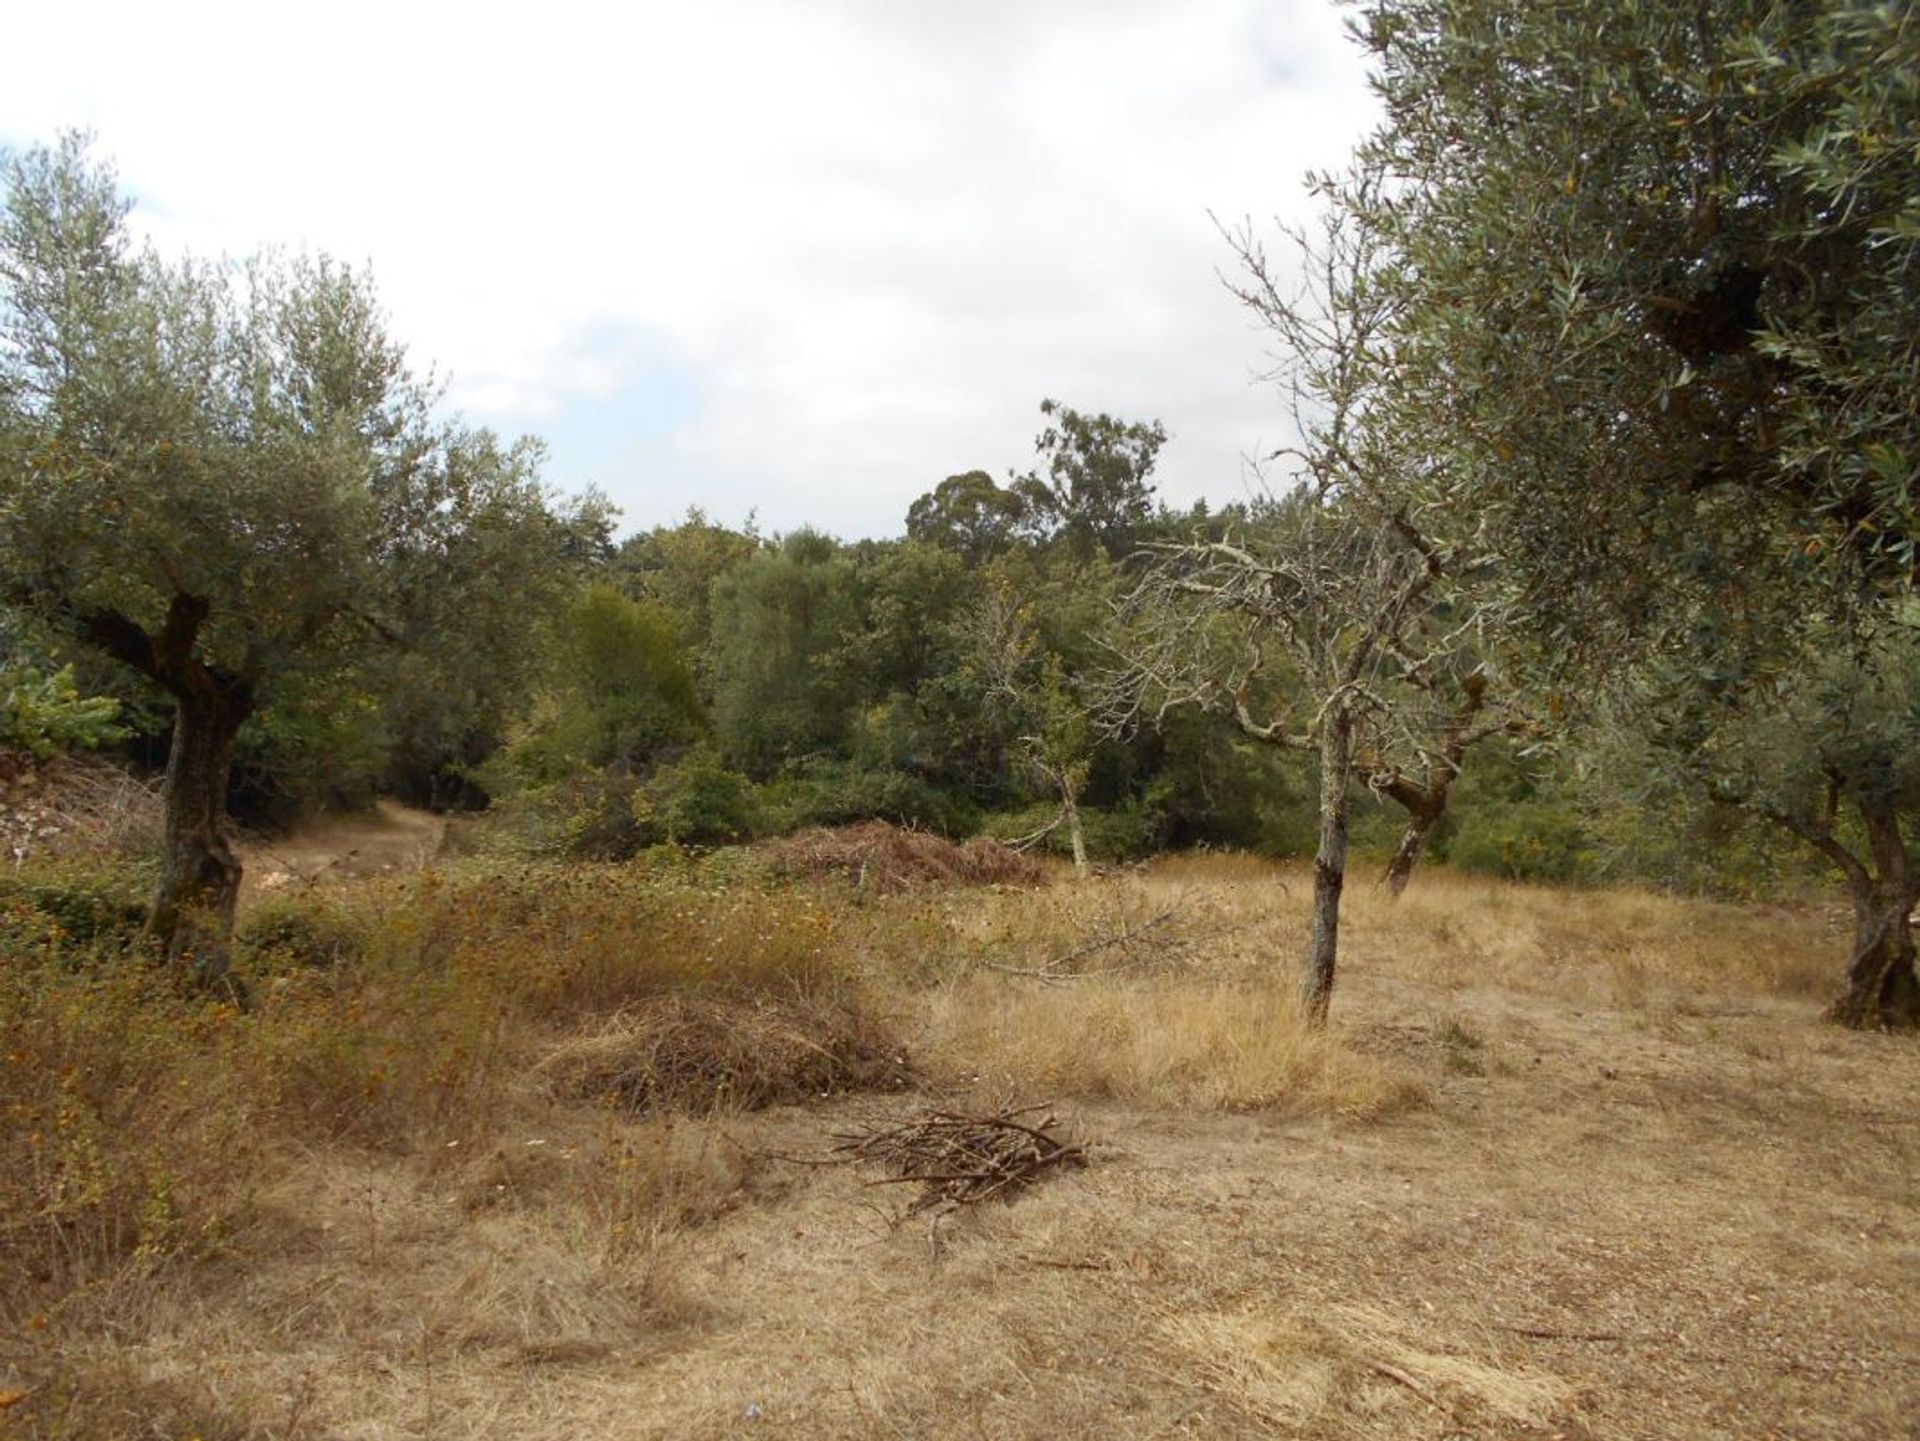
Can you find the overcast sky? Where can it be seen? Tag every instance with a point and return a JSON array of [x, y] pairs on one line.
[[799, 258]]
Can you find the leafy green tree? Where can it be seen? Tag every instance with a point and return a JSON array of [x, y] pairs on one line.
[[968, 514], [1652, 282], [1656, 270], [908, 594], [224, 478], [676, 566], [784, 683], [618, 690], [1819, 737], [1093, 490]]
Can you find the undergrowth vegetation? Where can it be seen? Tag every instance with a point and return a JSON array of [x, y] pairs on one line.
[[558, 1052], [397, 1018]]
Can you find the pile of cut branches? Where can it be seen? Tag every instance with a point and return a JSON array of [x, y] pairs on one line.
[[958, 1160]]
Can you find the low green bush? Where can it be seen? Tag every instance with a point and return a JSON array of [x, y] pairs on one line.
[[836, 793], [311, 930], [88, 906], [697, 801], [1524, 841]]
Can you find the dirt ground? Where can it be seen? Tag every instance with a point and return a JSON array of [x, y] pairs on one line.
[[1613, 1209], [1704, 1229], [392, 837]]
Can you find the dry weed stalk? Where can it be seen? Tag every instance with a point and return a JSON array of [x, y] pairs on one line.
[[74, 805], [1132, 946], [960, 1160]]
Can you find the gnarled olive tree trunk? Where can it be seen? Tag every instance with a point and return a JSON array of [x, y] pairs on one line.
[[1882, 989], [192, 914]]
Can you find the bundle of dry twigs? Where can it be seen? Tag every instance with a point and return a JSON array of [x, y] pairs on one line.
[[959, 1159]]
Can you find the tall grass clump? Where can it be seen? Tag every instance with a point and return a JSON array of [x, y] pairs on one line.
[[394, 1017], [1183, 1042]]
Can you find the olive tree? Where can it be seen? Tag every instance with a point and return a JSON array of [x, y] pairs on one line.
[[1817, 735], [1654, 295], [224, 477]]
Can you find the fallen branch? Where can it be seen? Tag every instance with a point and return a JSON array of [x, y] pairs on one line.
[[1548, 1333], [1053, 1265], [1394, 1373]]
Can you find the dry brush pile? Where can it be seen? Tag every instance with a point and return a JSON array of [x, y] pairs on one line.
[[885, 859]]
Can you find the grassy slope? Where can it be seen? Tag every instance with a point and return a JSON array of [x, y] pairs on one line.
[[1569, 1164]]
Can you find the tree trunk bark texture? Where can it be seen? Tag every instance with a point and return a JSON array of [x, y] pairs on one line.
[[1329, 865], [1076, 834], [1413, 844], [1882, 988], [193, 913]]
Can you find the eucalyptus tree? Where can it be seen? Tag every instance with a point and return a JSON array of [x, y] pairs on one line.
[[1656, 292], [1093, 491], [227, 478], [970, 514]]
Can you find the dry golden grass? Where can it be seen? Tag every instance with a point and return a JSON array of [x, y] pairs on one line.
[[1193, 1044], [1643, 1192], [1300, 1370]]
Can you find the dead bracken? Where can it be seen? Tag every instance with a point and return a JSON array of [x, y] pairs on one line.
[[886, 859], [704, 1054]]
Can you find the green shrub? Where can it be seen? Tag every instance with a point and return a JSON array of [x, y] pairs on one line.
[[587, 817], [101, 909], [298, 930], [43, 713], [838, 793], [697, 802], [1532, 840]]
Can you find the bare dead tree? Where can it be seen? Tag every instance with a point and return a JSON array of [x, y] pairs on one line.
[[1332, 624], [1326, 635]]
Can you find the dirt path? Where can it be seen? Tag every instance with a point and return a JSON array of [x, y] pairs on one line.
[[391, 838]]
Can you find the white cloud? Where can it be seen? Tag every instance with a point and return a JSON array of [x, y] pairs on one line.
[[870, 234]]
